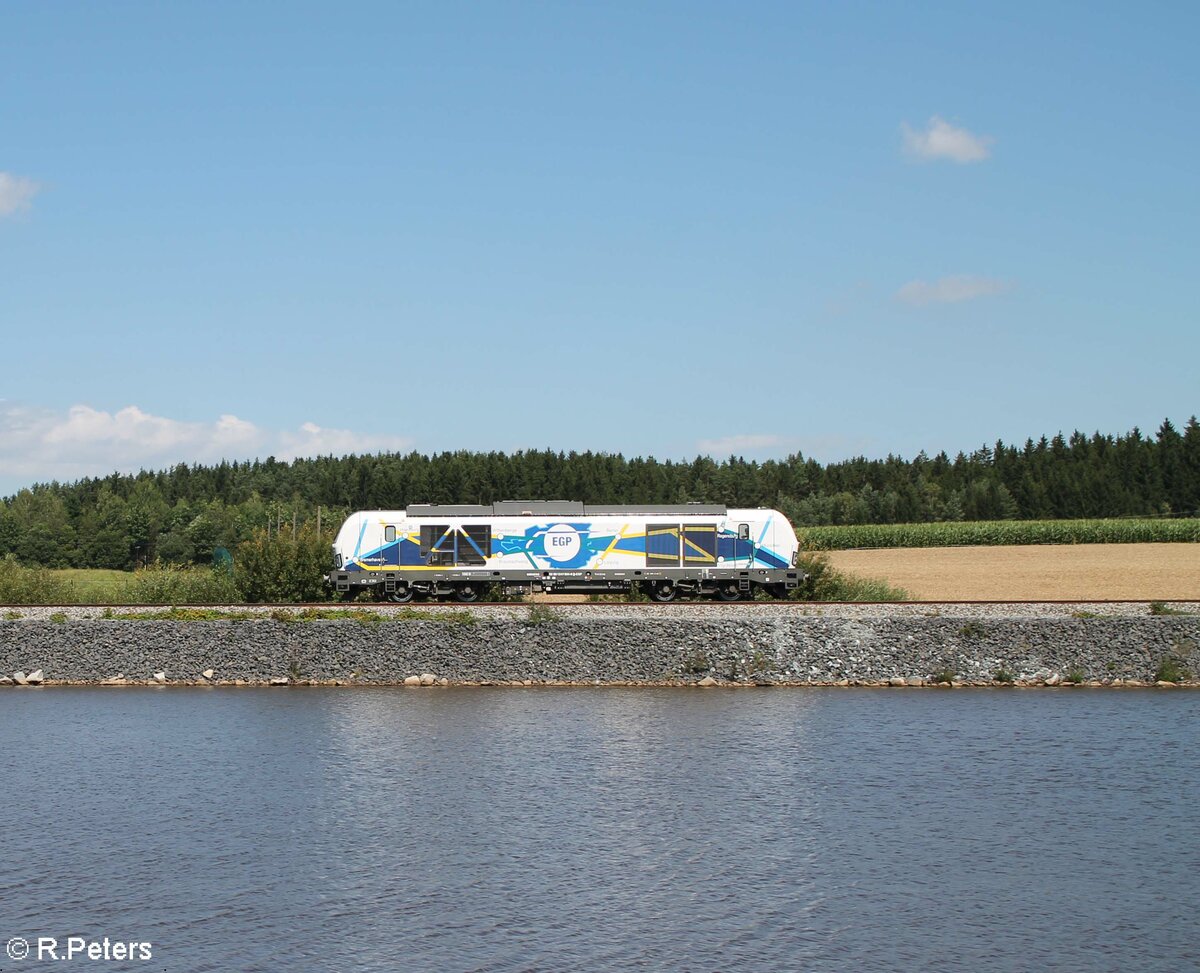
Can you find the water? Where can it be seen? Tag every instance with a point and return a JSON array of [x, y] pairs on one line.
[[605, 829]]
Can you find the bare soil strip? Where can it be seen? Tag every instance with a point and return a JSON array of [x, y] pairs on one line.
[[1051, 572]]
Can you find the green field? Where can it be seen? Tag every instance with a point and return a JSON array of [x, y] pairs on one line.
[[98, 586], [1001, 532], [94, 584]]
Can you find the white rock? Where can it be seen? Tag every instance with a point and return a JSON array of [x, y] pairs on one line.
[[427, 679], [35, 678], [412, 680], [6, 680], [160, 677], [207, 673], [1160, 683], [19, 679], [897, 681], [443, 681], [1053, 679], [914, 681], [280, 681], [707, 681]]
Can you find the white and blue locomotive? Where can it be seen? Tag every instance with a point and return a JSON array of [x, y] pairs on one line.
[[456, 551]]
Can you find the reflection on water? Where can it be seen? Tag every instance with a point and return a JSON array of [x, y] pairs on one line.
[[587, 829]]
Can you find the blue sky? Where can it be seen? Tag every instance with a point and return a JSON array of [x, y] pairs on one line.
[[243, 229]]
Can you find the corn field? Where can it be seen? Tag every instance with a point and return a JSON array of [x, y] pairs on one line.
[[996, 532]]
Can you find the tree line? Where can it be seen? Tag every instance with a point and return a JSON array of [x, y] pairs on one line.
[[191, 514]]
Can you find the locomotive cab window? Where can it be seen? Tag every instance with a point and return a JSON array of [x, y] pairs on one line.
[[743, 532]]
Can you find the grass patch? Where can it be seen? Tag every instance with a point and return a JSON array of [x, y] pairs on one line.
[[178, 614], [540, 614], [1084, 614], [1075, 675], [284, 616], [995, 532], [944, 675], [1162, 608], [1002, 675], [972, 630]]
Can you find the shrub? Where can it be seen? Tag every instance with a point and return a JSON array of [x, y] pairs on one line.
[[32, 586], [1002, 674], [1171, 669], [169, 584], [278, 568], [824, 583]]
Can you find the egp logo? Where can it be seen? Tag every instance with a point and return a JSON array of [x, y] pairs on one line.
[[562, 542]]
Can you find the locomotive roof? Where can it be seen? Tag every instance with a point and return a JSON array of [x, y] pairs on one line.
[[568, 508]]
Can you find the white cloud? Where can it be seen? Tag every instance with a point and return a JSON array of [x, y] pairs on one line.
[[950, 290], [314, 440], [941, 140], [37, 445], [16, 192]]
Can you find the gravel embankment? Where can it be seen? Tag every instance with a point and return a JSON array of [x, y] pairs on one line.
[[1097, 643]]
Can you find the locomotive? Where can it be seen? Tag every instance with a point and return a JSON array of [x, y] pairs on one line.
[[456, 551]]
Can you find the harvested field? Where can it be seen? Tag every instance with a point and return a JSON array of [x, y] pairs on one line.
[[1050, 572]]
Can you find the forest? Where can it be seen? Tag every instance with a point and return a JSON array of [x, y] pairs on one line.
[[193, 514]]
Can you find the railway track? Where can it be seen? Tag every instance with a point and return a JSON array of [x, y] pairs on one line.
[[646, 605]]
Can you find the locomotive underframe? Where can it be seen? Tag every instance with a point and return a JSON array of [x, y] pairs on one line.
[[448, 580]]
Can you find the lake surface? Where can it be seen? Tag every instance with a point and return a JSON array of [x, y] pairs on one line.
[[502, 829]]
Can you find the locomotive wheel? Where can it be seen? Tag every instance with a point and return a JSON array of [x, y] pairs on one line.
[[728, 592], [467, 593], [401, 596], [663, 592]]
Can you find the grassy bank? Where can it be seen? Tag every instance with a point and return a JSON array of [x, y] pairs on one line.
[[1001, 532]]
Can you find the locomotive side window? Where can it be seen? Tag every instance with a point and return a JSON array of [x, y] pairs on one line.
[[700, 544], [662, 545], [437, 544], [743, 532], [474, 544], [389, 534]]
